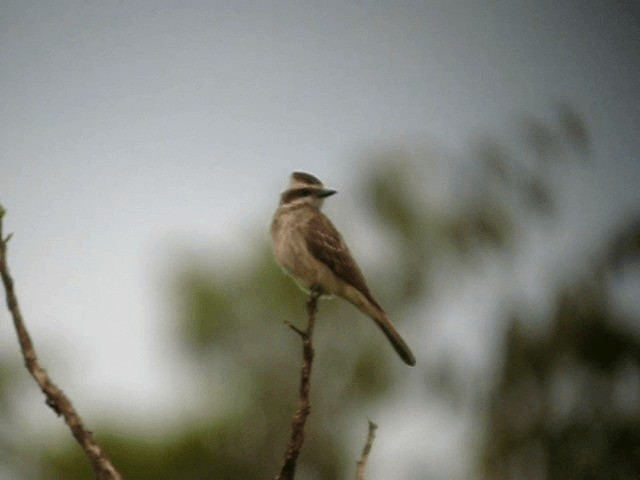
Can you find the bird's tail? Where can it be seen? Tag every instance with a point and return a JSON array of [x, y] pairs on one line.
[[370, 307], [399, 345]]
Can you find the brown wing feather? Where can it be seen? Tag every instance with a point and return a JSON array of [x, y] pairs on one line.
[[327, 245]]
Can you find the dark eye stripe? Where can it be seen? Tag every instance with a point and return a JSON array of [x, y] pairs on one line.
[[291, 195]]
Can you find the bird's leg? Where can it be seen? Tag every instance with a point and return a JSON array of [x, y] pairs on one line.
[[315, 292]]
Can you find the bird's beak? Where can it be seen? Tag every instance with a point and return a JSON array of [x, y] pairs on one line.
[[325, 192]]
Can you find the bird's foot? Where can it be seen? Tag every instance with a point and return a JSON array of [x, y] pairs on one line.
[[315, 291]]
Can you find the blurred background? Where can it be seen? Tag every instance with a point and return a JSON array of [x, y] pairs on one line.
[[485, 155]]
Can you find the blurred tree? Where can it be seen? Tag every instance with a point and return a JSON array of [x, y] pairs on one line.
[[567, 401]]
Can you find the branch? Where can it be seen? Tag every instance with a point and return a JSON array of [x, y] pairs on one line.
[[288, 470], [362, 463], [55, 397]]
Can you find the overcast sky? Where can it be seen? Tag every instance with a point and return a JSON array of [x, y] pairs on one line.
[[129, 130]]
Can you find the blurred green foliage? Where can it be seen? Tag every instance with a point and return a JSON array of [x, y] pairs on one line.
[[231, 327], [567, 401]]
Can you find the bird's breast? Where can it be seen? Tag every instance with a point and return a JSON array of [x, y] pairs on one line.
[[290, 249]]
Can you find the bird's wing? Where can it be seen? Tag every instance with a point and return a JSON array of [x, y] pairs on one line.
[[326, 244]]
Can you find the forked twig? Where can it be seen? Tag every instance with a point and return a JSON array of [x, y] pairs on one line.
[[55, 398], [287, 472]]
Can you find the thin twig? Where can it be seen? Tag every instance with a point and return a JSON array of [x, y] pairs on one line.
[[55, 397], [362, 463], [288, 470]]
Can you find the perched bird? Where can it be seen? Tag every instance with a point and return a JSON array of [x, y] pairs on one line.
[[309, 248]]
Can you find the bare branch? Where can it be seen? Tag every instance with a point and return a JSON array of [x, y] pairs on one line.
[[288, 470], [362, 463], [55, 397]]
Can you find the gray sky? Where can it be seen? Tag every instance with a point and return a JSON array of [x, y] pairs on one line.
[[127, 131]]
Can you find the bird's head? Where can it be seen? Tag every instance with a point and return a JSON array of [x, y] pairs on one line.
[[304, 188]]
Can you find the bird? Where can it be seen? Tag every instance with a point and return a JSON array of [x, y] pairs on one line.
[[308, 247]]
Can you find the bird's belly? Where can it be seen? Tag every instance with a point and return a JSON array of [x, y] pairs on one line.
[[294, 257]]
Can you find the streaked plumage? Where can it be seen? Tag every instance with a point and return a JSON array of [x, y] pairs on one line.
[[309, 248]]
